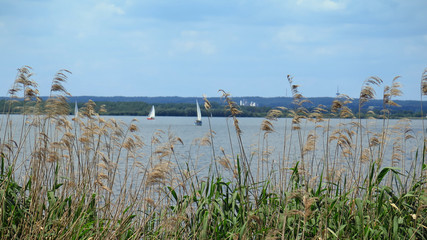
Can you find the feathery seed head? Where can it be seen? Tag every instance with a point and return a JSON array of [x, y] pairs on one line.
[[133, 128], [267, 126], [225, 162], [424, 83], [159, 173], [207, 103], [273, 114]]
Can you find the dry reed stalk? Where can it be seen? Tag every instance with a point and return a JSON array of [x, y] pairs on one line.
[[267, 127], [233, 108]]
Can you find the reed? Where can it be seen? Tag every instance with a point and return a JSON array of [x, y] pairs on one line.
[[95, 178]]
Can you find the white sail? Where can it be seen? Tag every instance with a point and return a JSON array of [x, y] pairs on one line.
[[199, 114], [76, 110], [152, 113], [198, 121]]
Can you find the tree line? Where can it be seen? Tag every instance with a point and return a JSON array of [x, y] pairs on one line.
[[218, 109]]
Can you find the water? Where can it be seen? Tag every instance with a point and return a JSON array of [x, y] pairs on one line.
[[283, 144]]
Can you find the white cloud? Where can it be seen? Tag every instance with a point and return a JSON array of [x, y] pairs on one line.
[[140, 42], [299, 34], [204, 47], [88, 20], [414, 49], [192, 41], [322, 5], [189, 33], [291, 34], [325, 50], [109, 8]]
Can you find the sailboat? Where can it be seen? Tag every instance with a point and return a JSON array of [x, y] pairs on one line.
[[152, 114], [198, 121], [76, 110]]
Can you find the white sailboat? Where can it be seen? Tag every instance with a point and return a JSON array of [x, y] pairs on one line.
[[198, 121], [152, 114], [76, 110]]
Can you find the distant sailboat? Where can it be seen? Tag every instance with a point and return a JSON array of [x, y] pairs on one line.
[[152, 114], [76, 110], [198, 121]]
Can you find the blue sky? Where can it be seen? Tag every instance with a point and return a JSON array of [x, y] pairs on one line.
[[195, 47]]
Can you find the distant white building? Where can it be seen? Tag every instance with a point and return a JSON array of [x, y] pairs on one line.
[[244, 102]]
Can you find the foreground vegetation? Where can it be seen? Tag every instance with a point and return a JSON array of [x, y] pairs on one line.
[[90, 178]]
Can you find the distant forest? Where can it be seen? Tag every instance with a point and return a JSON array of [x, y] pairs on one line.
[[185, 106]]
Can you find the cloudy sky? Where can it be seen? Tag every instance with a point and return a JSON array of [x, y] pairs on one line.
[[195, 47]]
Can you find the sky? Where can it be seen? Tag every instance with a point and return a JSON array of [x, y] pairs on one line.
[[193, 47]]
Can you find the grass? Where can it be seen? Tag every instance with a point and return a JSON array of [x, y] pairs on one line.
[[84, 179]]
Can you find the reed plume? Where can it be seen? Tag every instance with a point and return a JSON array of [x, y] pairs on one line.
[[207, 104], [57, 103], [339, 105], [424, 83], [367, 93]]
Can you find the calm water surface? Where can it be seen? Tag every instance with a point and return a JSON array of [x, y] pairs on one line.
[[281, 142]]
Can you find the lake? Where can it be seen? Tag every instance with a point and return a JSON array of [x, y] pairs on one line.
[[273, 150]]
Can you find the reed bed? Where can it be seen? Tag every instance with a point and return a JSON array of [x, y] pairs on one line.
[[90, 177]]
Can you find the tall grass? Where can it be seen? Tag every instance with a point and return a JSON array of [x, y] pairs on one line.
[[93, 178]]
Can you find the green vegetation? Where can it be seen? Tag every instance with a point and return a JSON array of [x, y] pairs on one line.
[[89, 178], [176, 109], [218, 109]]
